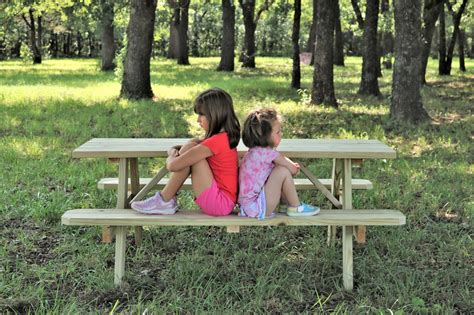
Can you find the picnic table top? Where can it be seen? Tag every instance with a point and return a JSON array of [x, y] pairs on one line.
[[292, 148]]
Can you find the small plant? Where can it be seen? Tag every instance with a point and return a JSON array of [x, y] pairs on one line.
[[305, 96]]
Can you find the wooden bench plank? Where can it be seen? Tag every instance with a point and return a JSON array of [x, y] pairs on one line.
[[300, 183], [128, 217]]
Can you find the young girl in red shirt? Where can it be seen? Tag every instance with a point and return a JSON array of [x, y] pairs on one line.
[[212, 162]]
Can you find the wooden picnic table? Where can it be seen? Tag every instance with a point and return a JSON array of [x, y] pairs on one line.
[[344, 153]]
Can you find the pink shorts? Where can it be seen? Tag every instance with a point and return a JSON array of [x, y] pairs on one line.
[[214, 201]]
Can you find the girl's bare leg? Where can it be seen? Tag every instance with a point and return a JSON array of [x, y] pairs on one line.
[[280, 182], [201, 177], [177, 178]]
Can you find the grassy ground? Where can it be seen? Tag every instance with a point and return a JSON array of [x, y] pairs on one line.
[[48, 110]]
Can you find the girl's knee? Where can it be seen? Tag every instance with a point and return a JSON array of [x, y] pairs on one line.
[[188, 145], [281, 170]]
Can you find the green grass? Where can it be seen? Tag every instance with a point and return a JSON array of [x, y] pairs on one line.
[[48, 110]]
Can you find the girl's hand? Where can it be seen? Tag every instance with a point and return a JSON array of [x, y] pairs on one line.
[[173, 152], [297, 166]]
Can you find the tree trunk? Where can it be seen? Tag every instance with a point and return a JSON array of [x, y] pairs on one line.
[[79, 44], [248, 55], [228, 36], [67, 44], [369, 81], [136, 68], [53, 45], [91, 45], [442, 64], [196, 26], [296, 73], [358, 14], [471, 51], [174, 37], [339, 40], [39, 39], [461, 41], [452, 43], [323, 77], [15, 50], [107, 52], [35, 42], [183, 48], [431, 12], [312, 32], [406, 104], [386, 43]]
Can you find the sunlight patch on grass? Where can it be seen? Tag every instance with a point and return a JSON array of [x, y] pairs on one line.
[[38, 94], [24, 147]]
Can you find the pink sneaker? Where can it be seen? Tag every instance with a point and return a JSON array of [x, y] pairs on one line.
[[155, 205]]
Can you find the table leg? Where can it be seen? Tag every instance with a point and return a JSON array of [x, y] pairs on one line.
[[347, 185], [122, 194], [337, 170], [359, 230], [135, 188], [120, 253], [347, 260]]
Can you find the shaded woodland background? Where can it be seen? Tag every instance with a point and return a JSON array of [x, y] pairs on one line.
[[125, 35]]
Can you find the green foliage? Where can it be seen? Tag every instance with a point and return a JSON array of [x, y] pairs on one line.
[[49, 109]]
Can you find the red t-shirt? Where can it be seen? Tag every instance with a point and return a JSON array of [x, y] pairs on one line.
[[223, 163]]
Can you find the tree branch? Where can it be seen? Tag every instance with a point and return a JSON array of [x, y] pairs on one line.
[[265, 6], [358, 14], [26, 21]]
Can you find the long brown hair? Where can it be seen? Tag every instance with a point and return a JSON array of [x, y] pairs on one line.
[[216, 104], [258, 128]]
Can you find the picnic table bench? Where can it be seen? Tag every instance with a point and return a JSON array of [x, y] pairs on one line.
[[122, 219], [338, 190]]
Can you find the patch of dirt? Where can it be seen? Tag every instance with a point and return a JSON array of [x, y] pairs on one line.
[[40, 249], [16, 306]]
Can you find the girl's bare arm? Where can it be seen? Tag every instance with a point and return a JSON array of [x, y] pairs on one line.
[[176, 162], [282, 160]]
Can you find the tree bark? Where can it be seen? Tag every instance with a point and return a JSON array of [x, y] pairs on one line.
[[35, 39], [461, 41], [80, 44], [431, 12], [250, 24], [406, 104], [136, 69], [442, 64], [248, 55], [369, 80], [174, 37], [183, 48], [53, 45], [296, 72], [358, 14], [323, 77], [195, 33], [386, 43], [339, 40], [312, 33], [107, 51], [91, 45], [228, 36], [67, 44], [452, 43]]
